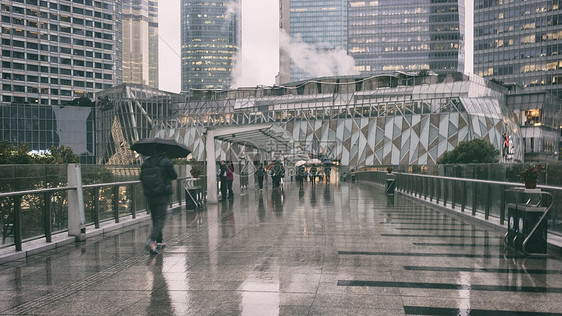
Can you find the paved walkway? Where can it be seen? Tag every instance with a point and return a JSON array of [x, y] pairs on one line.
[[342, 249]]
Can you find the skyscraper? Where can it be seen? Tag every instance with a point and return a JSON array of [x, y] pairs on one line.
[[406, 35], [55, 51], [519, 42], [140, 42], [315, 27], [380, 36], [210, 39]]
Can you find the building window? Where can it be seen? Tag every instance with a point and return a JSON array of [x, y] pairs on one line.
[[532, 117]]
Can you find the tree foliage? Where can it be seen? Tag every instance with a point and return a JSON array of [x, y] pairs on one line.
[[474, 151], [10, 154]]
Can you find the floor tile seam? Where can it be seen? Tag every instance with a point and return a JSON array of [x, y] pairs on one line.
[[451, 286], [430, 310], [479, 270]]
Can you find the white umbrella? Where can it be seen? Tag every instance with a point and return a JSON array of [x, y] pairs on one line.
[[300, 163], [313, 161]]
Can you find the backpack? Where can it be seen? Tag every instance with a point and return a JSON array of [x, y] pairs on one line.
[[152, 178]]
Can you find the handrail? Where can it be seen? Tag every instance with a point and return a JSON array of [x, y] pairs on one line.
[[16, 226], [26, 192], [465, 179], [486, 197], [85, 186]]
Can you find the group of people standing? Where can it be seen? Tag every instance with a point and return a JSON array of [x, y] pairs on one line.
[[226, 177], [277, 173], [314, 172]]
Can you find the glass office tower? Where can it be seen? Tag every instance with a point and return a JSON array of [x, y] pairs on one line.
[[140, 42], [406, 35], [55, 51], [519, 42], [321, 25], [210, 39]]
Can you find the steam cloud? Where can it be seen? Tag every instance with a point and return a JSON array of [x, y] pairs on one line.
[[316, 60]]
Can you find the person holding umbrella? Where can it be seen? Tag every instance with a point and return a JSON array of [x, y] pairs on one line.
[[157, 173], [301, 175]]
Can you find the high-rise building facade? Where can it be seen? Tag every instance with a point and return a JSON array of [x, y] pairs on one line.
[[381, 36], [406, 35], [140, 42], [56, 51], [321, 25], [210, 39], [519, 42]]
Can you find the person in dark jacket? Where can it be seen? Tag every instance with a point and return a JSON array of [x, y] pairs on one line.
[[260, 173], [313, 173], [301, 176], [277, 172], [230, 180], [158, 204], [223, 181]]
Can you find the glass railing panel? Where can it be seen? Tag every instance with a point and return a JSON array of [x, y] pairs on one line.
[[124, 200], [106, 203], [495, 199], [32, 215], [140, 199], [59, 211], [89, 205], [555, 214]]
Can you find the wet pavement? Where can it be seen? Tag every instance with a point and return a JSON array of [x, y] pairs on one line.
[[341, 249]]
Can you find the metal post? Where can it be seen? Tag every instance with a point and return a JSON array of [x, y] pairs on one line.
[[474, 185], [445, 189], [116, 203], [431, 189], [463, 196], [487, 206], [17, 222], [453, 193], [47, 212], [502, 204], [133, 205], [97, 207], [438, 187], [76, 215]]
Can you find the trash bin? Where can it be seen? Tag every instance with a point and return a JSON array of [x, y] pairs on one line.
[[192, 198], [512, 227], [390, 185], [527, 218]]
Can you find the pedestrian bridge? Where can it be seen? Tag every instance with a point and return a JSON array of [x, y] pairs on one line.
[[345, 248]]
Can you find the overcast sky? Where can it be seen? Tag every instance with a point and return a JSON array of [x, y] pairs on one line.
[[260, 42]]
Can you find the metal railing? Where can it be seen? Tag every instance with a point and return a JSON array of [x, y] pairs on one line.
[[479, 197], [40, 213]]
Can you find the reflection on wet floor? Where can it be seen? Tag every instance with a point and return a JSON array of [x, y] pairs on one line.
[[328, 249]]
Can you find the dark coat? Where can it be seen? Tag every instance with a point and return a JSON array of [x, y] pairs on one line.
[[166, 168]]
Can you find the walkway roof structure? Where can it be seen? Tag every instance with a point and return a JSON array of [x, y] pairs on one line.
[[266, 137]]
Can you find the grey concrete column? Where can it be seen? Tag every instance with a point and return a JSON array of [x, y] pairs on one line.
[[76, 215], [211, 168]]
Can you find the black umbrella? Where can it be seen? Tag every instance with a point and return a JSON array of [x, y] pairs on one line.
[[151, 146]]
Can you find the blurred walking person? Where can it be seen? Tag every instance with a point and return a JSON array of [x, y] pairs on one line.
[[230, 180], [157, 173], [261, 173]]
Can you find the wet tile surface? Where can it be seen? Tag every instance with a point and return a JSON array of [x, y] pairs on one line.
[[340, 249]]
